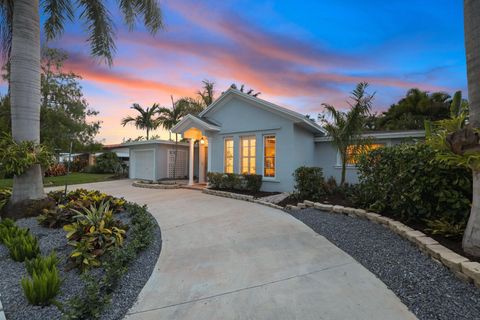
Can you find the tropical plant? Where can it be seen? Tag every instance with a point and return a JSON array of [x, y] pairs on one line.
[[56, 170], [346, 128], [22, 246], [145, 120], [55, 217], [5, 194], [41, 263], [20, 35], [108, 162], [42, 287], [250, 92]]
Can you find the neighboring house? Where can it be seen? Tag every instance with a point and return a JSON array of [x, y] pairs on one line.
[[239, 133]]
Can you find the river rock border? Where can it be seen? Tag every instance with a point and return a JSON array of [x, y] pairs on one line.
[[239, 196], [139, 184], [462, 267]]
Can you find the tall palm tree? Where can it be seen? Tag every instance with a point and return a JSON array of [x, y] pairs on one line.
[[20, 35], [346, 127], [145, 120], [471, 237], [206, 96]]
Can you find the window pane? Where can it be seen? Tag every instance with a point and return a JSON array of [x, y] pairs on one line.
[[269, 156], [228, 155], [354, 151], [247, 156]]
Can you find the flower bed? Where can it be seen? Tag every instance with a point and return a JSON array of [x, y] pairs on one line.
[[93, 253]]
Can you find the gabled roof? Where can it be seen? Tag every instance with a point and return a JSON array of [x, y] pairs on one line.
[[284, 112], [191, 120], [384, 135]]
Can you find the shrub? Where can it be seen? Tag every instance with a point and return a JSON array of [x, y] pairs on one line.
[[40, 264], [309, 183], [108, 162], [410, 183], [23, 246], [55, 217], [233, 181], [42, 287], [5, 195], [55, 170], [93, 233]]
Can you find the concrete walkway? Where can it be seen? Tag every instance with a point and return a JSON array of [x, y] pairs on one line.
[[228, 259]]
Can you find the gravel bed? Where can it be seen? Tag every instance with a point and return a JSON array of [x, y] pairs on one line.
[[427, 288], [15, 304]]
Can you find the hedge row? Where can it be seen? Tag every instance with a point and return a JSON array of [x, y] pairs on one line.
[[233, 181]]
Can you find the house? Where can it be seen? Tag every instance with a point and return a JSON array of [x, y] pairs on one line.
[[239, 133]]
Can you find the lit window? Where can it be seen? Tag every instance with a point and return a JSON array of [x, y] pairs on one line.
[[228, 150], [247, 156], [354, 151], [269, 156]]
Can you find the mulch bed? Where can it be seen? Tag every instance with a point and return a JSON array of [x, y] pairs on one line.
[[258, 194]]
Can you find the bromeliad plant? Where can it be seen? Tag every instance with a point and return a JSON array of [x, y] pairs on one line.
[[94, 232]]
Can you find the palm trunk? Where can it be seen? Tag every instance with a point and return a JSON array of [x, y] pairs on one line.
[[344, 170], [25, 92], [148, 131], [471, 237]]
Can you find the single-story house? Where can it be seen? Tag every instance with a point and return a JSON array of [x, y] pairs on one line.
[[239, 133]]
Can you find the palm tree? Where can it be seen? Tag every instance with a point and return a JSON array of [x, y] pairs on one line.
[[145, 120], [250, 92], [347, 127], [20, 35], [471, 237], [206, 96]]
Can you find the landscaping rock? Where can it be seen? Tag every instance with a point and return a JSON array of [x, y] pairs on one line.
[[322, 206], [472, 270], [411, 235], [423, 242], [309, 203], [338, 209]]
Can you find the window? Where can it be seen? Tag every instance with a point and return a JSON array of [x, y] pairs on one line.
[[228, 155], [247, 155], [269, 151], [354, 151]]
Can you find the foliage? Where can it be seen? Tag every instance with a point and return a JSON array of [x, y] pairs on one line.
[[42, 287], [446, 227], [96, 296], [410, 183], [145, 120], [16, 158], [108, 162], [234, 181], [9, 230], [309, 183], [347, 127], [250, 92], [22, 245], [94, 232], [5, 194], [413, 110], [41, 263], [55, 217], [56, 170]]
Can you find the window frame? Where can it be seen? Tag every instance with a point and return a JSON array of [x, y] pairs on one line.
[[225, 139], [265, 136], [240, 167]]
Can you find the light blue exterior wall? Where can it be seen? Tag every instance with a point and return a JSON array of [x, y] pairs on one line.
[[328, 158], [238, 118]]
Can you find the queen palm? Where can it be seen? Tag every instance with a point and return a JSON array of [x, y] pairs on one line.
[[20, 32], [146, 119], [471, 238], [346, 127]]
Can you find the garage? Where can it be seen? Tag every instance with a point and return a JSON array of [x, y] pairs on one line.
[[143, 163]]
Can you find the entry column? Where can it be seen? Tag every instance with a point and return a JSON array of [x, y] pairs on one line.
[[190, 160]]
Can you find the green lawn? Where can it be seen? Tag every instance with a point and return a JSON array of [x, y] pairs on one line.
[[72, 178]]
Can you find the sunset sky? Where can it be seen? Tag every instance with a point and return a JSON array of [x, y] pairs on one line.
[[298, 54]]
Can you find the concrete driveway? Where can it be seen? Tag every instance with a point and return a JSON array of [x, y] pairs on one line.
[[228, 259]]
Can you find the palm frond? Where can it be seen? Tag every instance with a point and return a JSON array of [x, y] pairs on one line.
[[57, 12], [101, 28]]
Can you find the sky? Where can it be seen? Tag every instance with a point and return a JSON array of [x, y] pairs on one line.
[[298, 54]]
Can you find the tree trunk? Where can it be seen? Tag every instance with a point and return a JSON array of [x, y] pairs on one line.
[[148, 131], [471, 237], [25, 92], [344, 169]]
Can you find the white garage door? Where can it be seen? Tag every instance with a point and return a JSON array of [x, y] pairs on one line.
[[144, 166]]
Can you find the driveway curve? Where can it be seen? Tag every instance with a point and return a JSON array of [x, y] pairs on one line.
[[229, 259]]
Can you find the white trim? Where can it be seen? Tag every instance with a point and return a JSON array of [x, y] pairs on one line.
[[292, 115], [184, 125], [147, 142], [382, 135], [133, 161], [263, 157]]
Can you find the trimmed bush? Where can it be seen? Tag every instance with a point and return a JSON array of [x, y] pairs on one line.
[[23, 246], [309, 183], [40, 264], [43, 287], [108, 162], [408, 182], [233, 181]]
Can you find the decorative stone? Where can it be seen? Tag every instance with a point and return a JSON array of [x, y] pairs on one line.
[[472, 270], [360, 213], [411, 235], [422, 242], [295, 208], [309, 203], [373, 216], [301, 205], [338, 209], [322, 206], [453, 260]]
